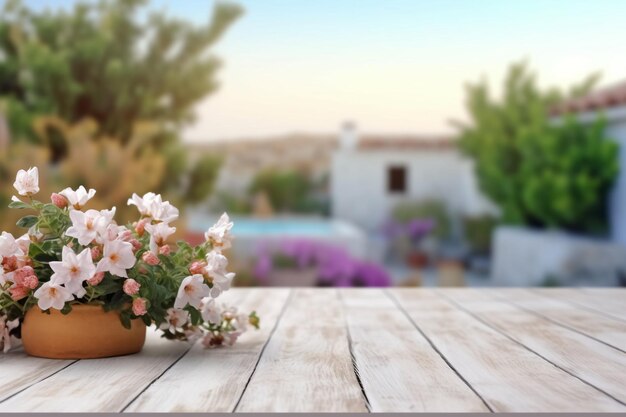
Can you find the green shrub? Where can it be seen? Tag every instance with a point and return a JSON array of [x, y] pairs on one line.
[[406, 211], [288, 191], [540, 173], [478, 232]]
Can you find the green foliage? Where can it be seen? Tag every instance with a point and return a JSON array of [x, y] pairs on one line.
[[478, 231], [538, 172], [202, 177], [288, 191], [118, 62], [406, 211]]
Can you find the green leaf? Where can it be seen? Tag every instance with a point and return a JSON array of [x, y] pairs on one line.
[[27, 221], [196, 317], [67, 308], [125, 319], [18, 205], [146, 320]]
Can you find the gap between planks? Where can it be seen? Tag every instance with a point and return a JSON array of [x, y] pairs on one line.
[[185, 386], [507, 376], [514, 325], [601, 328]]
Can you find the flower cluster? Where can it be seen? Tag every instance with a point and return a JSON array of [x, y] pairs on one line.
[[74, 256], [334, 266]]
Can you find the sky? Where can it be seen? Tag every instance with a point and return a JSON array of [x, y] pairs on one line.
[[391, 66]]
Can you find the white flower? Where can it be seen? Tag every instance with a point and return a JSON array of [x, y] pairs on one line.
[[118, 257], [219, 234], [87, 226], [216, 268], [27, 182], [52, 295], [163, 211], [5, 328], [241, 322], [142, 203], [9, 246], [210, 311], [78, 198], [152, 205], [23, 242], [158, 235], [73, 270], [192, 290], [175, 320], [193, 334]]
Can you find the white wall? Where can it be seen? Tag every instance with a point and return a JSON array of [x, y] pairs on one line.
[[359, 183]]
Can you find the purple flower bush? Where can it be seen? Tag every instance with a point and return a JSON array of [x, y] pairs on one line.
[[335, 266], [415, 229]]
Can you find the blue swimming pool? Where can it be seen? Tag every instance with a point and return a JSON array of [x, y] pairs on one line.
[[246, 226]]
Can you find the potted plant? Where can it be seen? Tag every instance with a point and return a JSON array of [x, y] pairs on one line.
[[78, 285]]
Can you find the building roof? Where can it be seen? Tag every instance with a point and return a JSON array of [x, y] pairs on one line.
[[405, 142], [601, 99]]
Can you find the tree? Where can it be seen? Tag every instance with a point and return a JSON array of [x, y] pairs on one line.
[[105, 62], [286, 190], [540, 172]]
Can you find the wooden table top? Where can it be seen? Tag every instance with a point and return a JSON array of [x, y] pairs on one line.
[[362, 350]]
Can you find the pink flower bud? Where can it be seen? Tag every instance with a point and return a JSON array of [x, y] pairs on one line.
[[197, 267], [31, 282], [20, 275], [139, 306], [165, 250], [141, 226], [58, 200], [150, 258], [136, 244], [96, 253], [96, 279], [18, 292], [131, 287], [126, 235], [10, 263]]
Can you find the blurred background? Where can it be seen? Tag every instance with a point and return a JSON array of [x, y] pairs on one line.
[[354, 143]]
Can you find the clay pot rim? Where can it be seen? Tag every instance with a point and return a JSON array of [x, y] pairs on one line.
[[82, 307]]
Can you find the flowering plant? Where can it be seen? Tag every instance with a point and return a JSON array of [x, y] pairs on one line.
[[70, 256], [334, 266]]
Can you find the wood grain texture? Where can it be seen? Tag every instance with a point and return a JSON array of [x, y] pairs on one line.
[[611, 302], [306, 366], [506, 375], [19, 371], [213, 380], [105, 385], [599, 365], [607, 329], [399, 370]]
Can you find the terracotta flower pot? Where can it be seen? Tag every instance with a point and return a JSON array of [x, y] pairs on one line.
[[86, 332]]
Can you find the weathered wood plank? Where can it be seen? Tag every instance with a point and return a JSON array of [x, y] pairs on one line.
[[612, 303], [213, 381], [399, 370], [19, 371], [607, 329], [506, 375], [599, 365], [306, 366], [105, 385]]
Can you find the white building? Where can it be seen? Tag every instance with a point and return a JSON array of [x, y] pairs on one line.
[[371, 174]]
